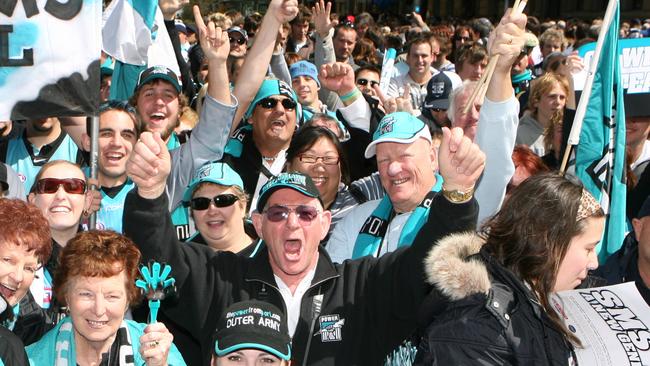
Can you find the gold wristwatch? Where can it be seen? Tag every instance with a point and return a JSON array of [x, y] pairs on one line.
[[458, 196]]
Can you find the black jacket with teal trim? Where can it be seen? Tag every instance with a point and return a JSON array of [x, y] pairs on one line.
[[368, 305]]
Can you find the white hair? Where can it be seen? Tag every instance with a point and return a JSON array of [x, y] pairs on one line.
[[467, 86]]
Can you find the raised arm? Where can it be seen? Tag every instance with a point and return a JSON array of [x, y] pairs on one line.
[[498, 118], [258, 57], [209, 137], [216, 46]]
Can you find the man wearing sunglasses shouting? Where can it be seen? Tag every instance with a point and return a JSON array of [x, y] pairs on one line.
[[331, 308], [256, 151]]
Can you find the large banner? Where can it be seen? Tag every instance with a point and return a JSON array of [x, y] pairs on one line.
[[49, 58], [634, 57], [613, 324]]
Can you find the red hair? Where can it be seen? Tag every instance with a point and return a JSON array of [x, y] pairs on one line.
[[22, 223], [524, 157], [98, 254]]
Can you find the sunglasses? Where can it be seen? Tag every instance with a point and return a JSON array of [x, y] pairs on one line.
[[437, 110], [70, 185], [364, 82], [306, 214], [270, 103], [222, 200], [464, 39], [240, 41]]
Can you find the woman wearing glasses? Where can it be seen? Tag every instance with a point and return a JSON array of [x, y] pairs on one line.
[[318, 153], [217, 203]]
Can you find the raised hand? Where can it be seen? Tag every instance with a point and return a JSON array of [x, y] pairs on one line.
[[508, 39], [337, 77], [149, 165], [321, 16], [391, 105], [214, 41], [155, 344], [460, 161], [283, 10], [169, 8]]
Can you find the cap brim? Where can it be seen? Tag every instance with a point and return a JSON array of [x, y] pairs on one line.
[[231, 344], [371, 150], [261, 202], [165, 77], [440, 103]]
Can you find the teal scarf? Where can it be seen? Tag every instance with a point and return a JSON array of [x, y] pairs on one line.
[[57, 347], [235, 144], [373, 230]]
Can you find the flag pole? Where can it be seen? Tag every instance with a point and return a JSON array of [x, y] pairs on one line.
[[574, 136], [94, 152]]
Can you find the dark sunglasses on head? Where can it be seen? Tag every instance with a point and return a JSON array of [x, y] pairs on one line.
[[222, 200], [305, 213], [270, 103], [364, 82], [70, 185], [240, 41]]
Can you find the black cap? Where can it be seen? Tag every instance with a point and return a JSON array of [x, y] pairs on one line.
[[438, 90], [4, 181], [159, 72], [253, 325], [296, 181]]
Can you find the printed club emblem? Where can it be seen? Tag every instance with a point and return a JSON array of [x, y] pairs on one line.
[[330, 328]]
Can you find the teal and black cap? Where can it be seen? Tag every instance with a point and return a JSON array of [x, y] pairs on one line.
[[296, 181], [253, 325], [159, 72]]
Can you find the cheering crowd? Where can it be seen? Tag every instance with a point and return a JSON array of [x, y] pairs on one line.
[[319, 199]]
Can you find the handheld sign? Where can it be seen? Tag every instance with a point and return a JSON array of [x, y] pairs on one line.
[[49, 58]]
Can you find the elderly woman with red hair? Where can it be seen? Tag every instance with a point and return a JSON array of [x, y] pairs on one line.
[[24, 246], [96, 281]]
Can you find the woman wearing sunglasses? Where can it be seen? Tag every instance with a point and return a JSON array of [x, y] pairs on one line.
[[60, 193], [217, 203]]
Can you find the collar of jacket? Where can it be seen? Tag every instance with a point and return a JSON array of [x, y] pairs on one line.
[[260, 269]]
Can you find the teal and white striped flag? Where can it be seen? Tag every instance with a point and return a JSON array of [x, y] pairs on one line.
[[600, 154], [134, 34]]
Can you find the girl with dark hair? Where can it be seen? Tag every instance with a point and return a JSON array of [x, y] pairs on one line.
[[492, 291], [317, 152]]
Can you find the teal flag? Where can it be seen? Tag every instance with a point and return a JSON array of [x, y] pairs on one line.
[[600, 154]]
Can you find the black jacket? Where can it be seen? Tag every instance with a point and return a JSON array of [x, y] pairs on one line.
[[367, 306], [12, 351], [483, 314]]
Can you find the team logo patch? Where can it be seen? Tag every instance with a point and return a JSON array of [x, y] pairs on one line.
[[387, 126], [330, 328]]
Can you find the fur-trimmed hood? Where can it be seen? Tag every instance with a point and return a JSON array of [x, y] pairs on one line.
[[448, 268]]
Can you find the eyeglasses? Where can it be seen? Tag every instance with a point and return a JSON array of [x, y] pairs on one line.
[[270, 103], [364, 82], [222, 200], [70, 185], [240, 41], [306, 214], [437, 110], [311, 159]]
